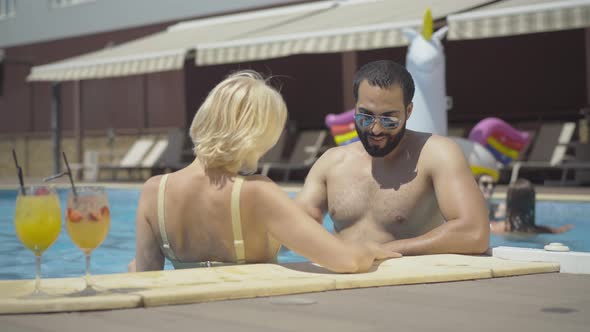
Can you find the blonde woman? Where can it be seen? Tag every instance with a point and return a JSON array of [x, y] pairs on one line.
[[207, 214]]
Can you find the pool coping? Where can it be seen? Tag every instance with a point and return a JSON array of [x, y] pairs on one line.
[[570, 262]]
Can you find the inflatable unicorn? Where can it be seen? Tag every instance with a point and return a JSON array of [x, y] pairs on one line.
[[426, 62], [479, 158]]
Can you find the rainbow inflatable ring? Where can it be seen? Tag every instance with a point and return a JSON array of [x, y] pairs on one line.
[[502, 140], [342, 127]]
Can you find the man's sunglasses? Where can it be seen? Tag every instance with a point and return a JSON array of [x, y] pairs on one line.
[[366, 120]]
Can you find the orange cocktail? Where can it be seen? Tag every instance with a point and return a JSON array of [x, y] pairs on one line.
[[88, 220]]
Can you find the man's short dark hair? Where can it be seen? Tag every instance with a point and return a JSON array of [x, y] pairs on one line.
[[385, 73]]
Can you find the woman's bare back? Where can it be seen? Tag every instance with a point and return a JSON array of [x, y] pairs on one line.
[[198, 219]]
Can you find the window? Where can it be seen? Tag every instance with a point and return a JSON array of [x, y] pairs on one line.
[[7, 8], [67, 3]]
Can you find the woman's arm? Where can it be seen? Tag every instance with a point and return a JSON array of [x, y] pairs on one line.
[[291, 226], [552, 230], [148, 255]]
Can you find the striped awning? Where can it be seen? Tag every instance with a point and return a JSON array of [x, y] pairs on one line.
[[167, 50], [349, 26], [514, 17]]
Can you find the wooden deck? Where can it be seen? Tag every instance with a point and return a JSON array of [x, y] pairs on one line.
[[543, 302]]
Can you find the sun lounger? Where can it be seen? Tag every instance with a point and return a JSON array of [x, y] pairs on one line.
[[306, 151], [549, 151]]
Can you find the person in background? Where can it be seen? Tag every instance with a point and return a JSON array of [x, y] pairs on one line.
[[520, 212], [487, 185], [207, 214]]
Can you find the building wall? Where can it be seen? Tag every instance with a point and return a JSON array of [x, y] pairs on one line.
[[530, 77], [155, 100], [128, 102], [310, 84], [522, 79]]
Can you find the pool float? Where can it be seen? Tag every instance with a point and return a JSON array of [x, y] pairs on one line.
[[344, 118], [501, 131], [342, 129], [480, 159], [352, 140], [339, 139], [425, 60], [503, 149], [505, 160], [508, 142], [501, 139]]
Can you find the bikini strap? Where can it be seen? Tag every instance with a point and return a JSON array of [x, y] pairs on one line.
[[161, 221], [236, 221]]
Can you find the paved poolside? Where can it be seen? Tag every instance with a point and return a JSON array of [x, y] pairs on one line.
[[542, 302]]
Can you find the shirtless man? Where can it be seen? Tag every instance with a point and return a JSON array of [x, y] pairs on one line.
[[411, 190]]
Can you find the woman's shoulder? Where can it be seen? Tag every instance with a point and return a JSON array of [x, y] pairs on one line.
[[256, 183], [152, 184], [149, 190], [259, 189]]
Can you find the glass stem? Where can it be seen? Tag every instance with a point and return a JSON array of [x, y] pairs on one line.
[[88, 282], [37, 274]]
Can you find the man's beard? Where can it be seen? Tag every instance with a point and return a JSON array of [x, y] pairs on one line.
[[391, 142]]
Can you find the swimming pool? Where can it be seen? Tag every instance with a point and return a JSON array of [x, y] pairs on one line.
[[64, 259]]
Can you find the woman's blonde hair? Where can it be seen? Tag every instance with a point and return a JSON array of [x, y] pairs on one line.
[[241, 118]]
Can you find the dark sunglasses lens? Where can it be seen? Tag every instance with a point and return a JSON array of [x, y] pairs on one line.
[[363, 120], [388, 123]]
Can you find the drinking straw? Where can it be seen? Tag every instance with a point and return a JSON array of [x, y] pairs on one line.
[[69, 172], [20, 173]]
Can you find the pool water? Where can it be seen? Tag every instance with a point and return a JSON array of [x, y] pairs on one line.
[[64, 259]]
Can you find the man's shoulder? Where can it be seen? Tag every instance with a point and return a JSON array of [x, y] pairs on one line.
[[436, 144], [335, 158], [442, 152], [337, 154]]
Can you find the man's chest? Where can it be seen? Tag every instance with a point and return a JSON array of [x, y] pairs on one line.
[[387, 200]]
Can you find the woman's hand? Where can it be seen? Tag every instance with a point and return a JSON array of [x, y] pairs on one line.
[[372, 252], [381, 252]]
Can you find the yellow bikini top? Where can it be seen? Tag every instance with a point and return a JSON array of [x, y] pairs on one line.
[[236, 227]]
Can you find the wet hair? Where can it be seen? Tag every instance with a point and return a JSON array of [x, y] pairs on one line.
[[241, 118], [384, 74], [520, 206]]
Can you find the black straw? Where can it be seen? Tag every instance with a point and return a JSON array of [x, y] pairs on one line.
[[69, 172], [19, 173]]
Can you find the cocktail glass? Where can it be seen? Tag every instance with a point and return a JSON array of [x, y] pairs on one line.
[[88, 220], [37, 219]]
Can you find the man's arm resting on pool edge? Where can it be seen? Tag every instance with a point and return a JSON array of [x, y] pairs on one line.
[[467, 229], [450, 238]]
